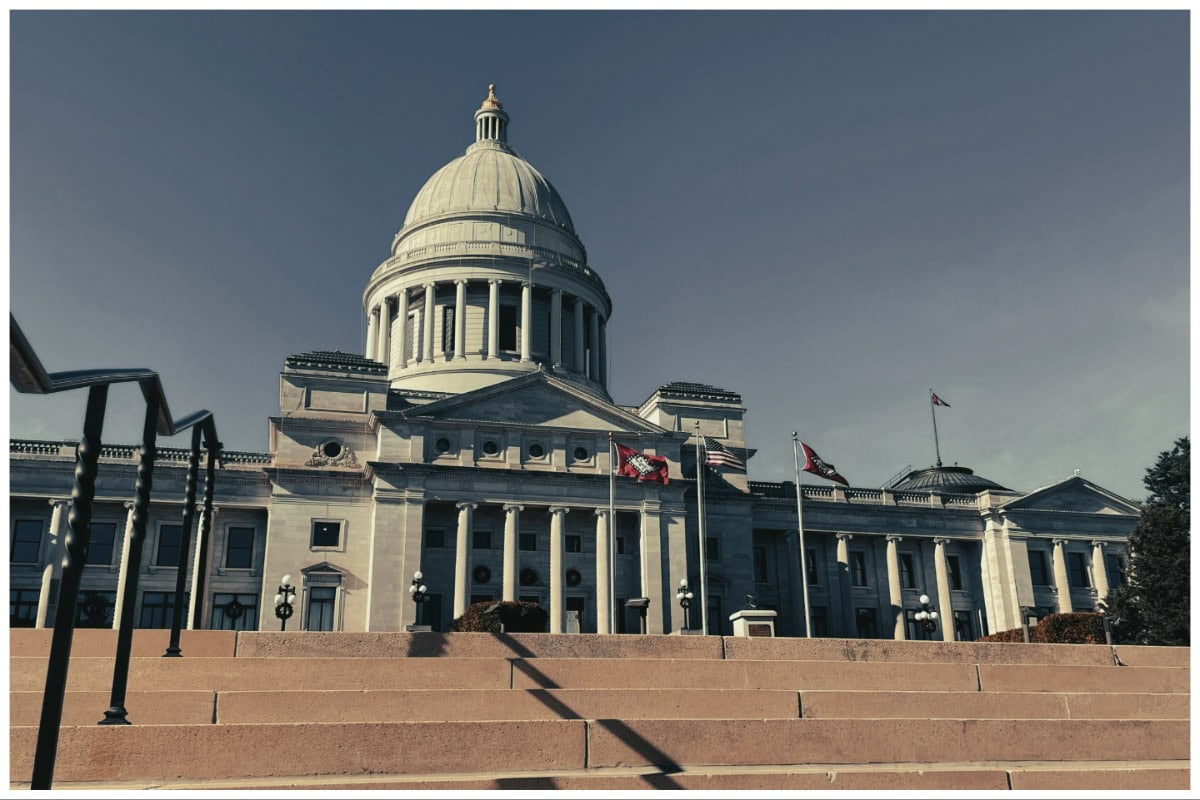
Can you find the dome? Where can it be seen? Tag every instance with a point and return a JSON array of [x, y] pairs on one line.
[[489, 177], [945, 479]]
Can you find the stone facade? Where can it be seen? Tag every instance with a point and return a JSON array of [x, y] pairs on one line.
[[471, 442]]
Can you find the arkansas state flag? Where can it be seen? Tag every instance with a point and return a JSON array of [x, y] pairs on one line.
[[937, 401], [643, 467], [818, 466]]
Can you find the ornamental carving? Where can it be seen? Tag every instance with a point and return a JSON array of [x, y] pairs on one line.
[[331, 454]]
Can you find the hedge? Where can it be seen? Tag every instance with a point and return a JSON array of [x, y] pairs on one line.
[[489, 615], [1081, 628]]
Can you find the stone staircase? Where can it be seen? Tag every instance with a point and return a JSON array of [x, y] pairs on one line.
[[259, 711]]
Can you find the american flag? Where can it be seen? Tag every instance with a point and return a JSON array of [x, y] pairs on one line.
[[717, 456]]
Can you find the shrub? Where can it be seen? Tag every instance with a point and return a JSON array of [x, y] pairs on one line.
[[1080, 628], [489, 615]]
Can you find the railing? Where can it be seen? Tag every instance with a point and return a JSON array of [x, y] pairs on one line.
[[127, 452]]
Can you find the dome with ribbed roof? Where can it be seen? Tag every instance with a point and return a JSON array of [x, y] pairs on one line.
[[946, 479]]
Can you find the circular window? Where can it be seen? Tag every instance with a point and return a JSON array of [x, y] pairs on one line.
[[490, 448], [573, 577], [527, 577], [581, 454], [331, 449], [481, 574], [442, 445], [536, 451]]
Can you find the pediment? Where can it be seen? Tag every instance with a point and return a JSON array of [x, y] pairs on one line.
[[1074, 494], [536, 400]]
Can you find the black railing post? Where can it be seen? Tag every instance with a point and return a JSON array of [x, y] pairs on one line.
[[116, 713], [87, 457], [185, 537], [200, 570]]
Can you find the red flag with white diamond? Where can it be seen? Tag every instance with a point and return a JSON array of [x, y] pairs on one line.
[[641, 466], [818, 466]]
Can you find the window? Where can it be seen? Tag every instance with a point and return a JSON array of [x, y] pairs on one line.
[[963, 630], [239, 550], [158, 610], [320, 608], [760, 565], [908, 578], [490, 448], [866, 623], [235, 612], [170, 539], [810, 566], [819, 616], [620, 545], [527, 541], [1077, 570], [716, 620], [530, 598], [482, 540], [326, 534], [712, 548], [574, 543], [582, 454], [955, 572], [1037, 568], [574, 604], [430, 612], [22, 608], [442, 445], [100, 549], [858, 567], [414, 336], [1116, 569], [481, 598], [448, 329], [26, 542], [95, 609], [536, 451], [508, 328], [435, 537]]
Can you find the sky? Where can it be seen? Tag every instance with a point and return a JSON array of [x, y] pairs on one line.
[[827, 212]]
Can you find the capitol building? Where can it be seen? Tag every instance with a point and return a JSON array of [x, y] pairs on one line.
[[470, 442]]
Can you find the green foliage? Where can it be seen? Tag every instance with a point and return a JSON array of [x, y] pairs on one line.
[[489, 615], [1080, 628], [1153, 607]]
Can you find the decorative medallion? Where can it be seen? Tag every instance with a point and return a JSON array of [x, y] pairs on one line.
[[332, 454]]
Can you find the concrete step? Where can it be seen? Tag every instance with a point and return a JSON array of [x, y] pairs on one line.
[[979, 776], [204, 752], [757, 648], [1139, 656], [145, 708], [102, 643], [990, 705], [1041, 678]]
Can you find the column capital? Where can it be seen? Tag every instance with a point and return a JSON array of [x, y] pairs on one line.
[[941, 541], [460, 281], [845, 536], [128, 505], [1098, 543], [556, 290], [430, 284], [60, 501], [601, 512], [496, 281], [1058, 541], [559, 509], [893, 538], [513, 507], [466, 504]]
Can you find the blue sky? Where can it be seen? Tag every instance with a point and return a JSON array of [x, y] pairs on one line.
[[826, 212]]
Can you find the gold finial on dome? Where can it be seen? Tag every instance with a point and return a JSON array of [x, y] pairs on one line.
[[491, 101]]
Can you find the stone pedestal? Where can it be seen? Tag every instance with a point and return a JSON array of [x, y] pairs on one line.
[[753, 622]]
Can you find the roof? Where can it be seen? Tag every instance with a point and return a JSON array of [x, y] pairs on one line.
[[336, 360], [945, 479], [697, 391]]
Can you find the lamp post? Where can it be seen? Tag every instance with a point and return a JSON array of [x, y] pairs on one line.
[[928, 615], [418, 591], [684, 596], [284, 600]]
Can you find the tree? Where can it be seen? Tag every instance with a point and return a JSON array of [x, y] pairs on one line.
[[1152, 608]]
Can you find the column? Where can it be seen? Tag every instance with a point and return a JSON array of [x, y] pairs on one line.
[[493, 323], [579, 365], [594, 350], [52, 571], [1060, 579], [604, 353], [201, 558], [123, 575], [460, 319], [556, 328], [849, 629], [430, 292], [945, 608], [402, 343], [512, 534], [526, 321], [894, 594], [460, 558], [371, 334], [603, 599], [557, 517], [791, 543], [1099, 570], [383, 351]]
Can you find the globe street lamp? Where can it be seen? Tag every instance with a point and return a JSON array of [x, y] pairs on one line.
[[684, 596], [418, 591], [284, 600], [928, 615]]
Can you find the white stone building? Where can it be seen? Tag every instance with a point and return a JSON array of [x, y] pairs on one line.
[[471, 442]]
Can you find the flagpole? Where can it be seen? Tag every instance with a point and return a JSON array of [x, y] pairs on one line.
[[612, 524], [800, 527], [933, 416], [703, 541]]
